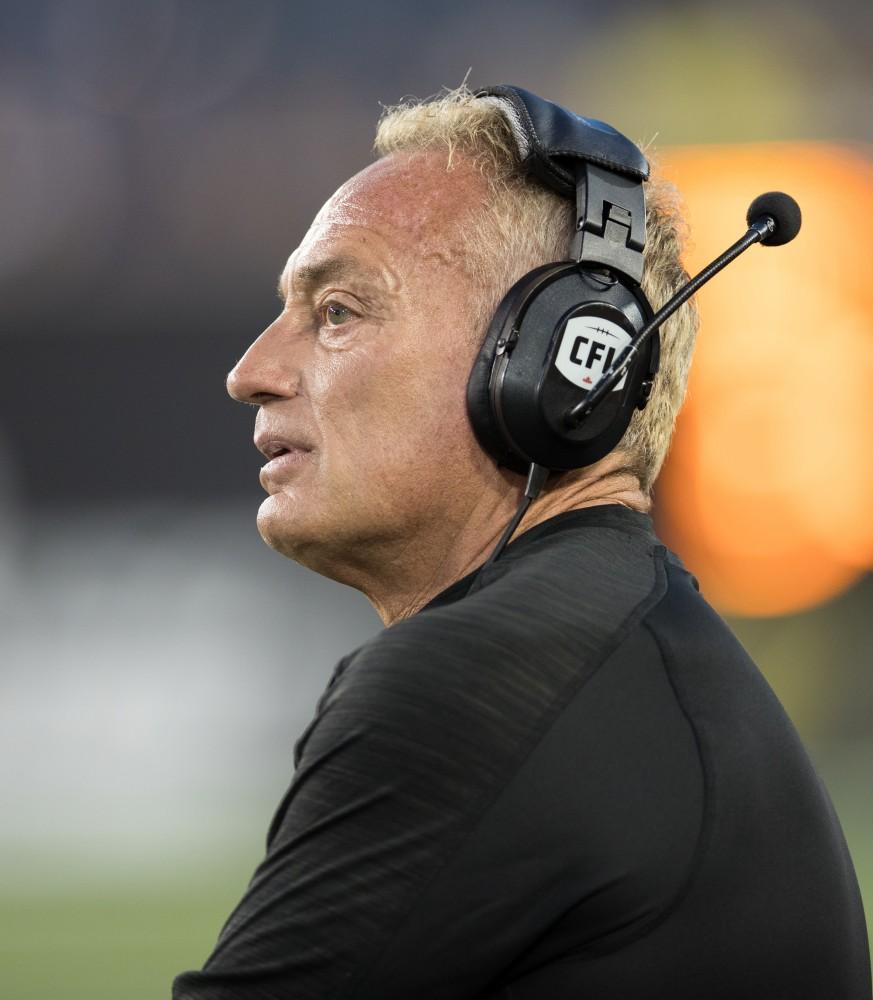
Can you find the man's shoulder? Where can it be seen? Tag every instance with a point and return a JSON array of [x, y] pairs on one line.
[[542, 614], [575, 585]]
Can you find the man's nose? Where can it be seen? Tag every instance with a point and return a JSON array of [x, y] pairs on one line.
[[269, 369]]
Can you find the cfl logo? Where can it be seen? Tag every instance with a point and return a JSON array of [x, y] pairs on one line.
[[588, 347]]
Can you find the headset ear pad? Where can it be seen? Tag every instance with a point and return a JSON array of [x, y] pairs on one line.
[[479, 408], [522, 382]]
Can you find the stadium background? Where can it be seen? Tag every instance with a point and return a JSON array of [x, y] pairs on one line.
[[159, 161]]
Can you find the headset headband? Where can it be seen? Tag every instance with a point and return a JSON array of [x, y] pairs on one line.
[[588, 159]]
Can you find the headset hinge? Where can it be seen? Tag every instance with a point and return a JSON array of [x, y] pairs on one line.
[[506, 344], [610, 220]]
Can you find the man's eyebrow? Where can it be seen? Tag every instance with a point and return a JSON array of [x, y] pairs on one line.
[[321, 272]]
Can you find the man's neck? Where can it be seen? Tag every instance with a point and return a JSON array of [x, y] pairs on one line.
[[431, 565]]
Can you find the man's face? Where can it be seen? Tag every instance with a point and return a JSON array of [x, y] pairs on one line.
[[361, 379]]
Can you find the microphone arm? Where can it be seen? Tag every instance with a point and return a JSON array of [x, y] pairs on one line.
[[759, 230]]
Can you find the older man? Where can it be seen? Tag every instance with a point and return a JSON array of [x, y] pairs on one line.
[[558, 776]]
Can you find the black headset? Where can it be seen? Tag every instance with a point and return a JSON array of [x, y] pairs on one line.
[[562, 325]]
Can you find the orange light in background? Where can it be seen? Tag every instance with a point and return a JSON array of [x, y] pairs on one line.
[[768, 490]]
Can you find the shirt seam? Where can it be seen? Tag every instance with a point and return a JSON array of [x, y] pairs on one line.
[[704, 834], [488, 798]]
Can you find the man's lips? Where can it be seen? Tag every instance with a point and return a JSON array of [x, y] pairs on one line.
[[272, 447], [283, 463], [283, 453]]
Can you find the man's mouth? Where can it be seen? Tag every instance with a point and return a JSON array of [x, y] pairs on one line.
[[273, 446], [288, 458], [283, 455]]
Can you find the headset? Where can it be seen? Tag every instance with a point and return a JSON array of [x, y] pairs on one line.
[[573, 348], [561, 325]]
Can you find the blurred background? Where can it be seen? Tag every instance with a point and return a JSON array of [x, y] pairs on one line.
[[159, 162]]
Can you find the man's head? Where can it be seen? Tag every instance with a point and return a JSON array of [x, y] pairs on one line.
[[363, 373], [386, 301]]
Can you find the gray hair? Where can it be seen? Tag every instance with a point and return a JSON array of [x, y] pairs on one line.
[[524, 224]]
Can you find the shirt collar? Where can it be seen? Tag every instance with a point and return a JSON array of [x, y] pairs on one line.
[[612, 515]]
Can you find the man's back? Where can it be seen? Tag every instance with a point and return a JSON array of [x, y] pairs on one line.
[[566, 780]]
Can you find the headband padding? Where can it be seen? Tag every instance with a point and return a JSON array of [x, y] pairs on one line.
[[551, 140]]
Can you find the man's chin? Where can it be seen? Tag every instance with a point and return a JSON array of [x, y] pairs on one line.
[[280, 525], [320, 541], [285, 527]]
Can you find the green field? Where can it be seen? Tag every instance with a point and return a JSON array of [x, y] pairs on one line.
[[109, 943], [104, 943]]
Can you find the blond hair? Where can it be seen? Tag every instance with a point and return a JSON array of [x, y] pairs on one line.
[[524, 224]]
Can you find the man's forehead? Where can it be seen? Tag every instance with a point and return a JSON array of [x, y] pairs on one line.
[[400, 204], [337, 251], [326, 262], [408, 190]]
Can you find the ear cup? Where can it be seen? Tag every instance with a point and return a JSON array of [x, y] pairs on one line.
[[479, 407], [554, 333]]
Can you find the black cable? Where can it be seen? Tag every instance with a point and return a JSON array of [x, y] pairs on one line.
[[536, 478]]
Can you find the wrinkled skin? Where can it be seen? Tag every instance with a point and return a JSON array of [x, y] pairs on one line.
[[364, 372]]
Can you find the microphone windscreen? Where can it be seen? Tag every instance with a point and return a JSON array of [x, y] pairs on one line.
[[783, 210]]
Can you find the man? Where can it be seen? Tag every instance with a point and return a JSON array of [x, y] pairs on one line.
[[556, 777]]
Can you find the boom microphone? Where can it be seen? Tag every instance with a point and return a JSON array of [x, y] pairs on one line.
[[783, 210], [773, 219]]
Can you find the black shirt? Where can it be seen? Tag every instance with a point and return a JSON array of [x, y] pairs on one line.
[[562, 779]]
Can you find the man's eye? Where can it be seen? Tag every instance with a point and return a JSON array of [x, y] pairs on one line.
[[335, 314]]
